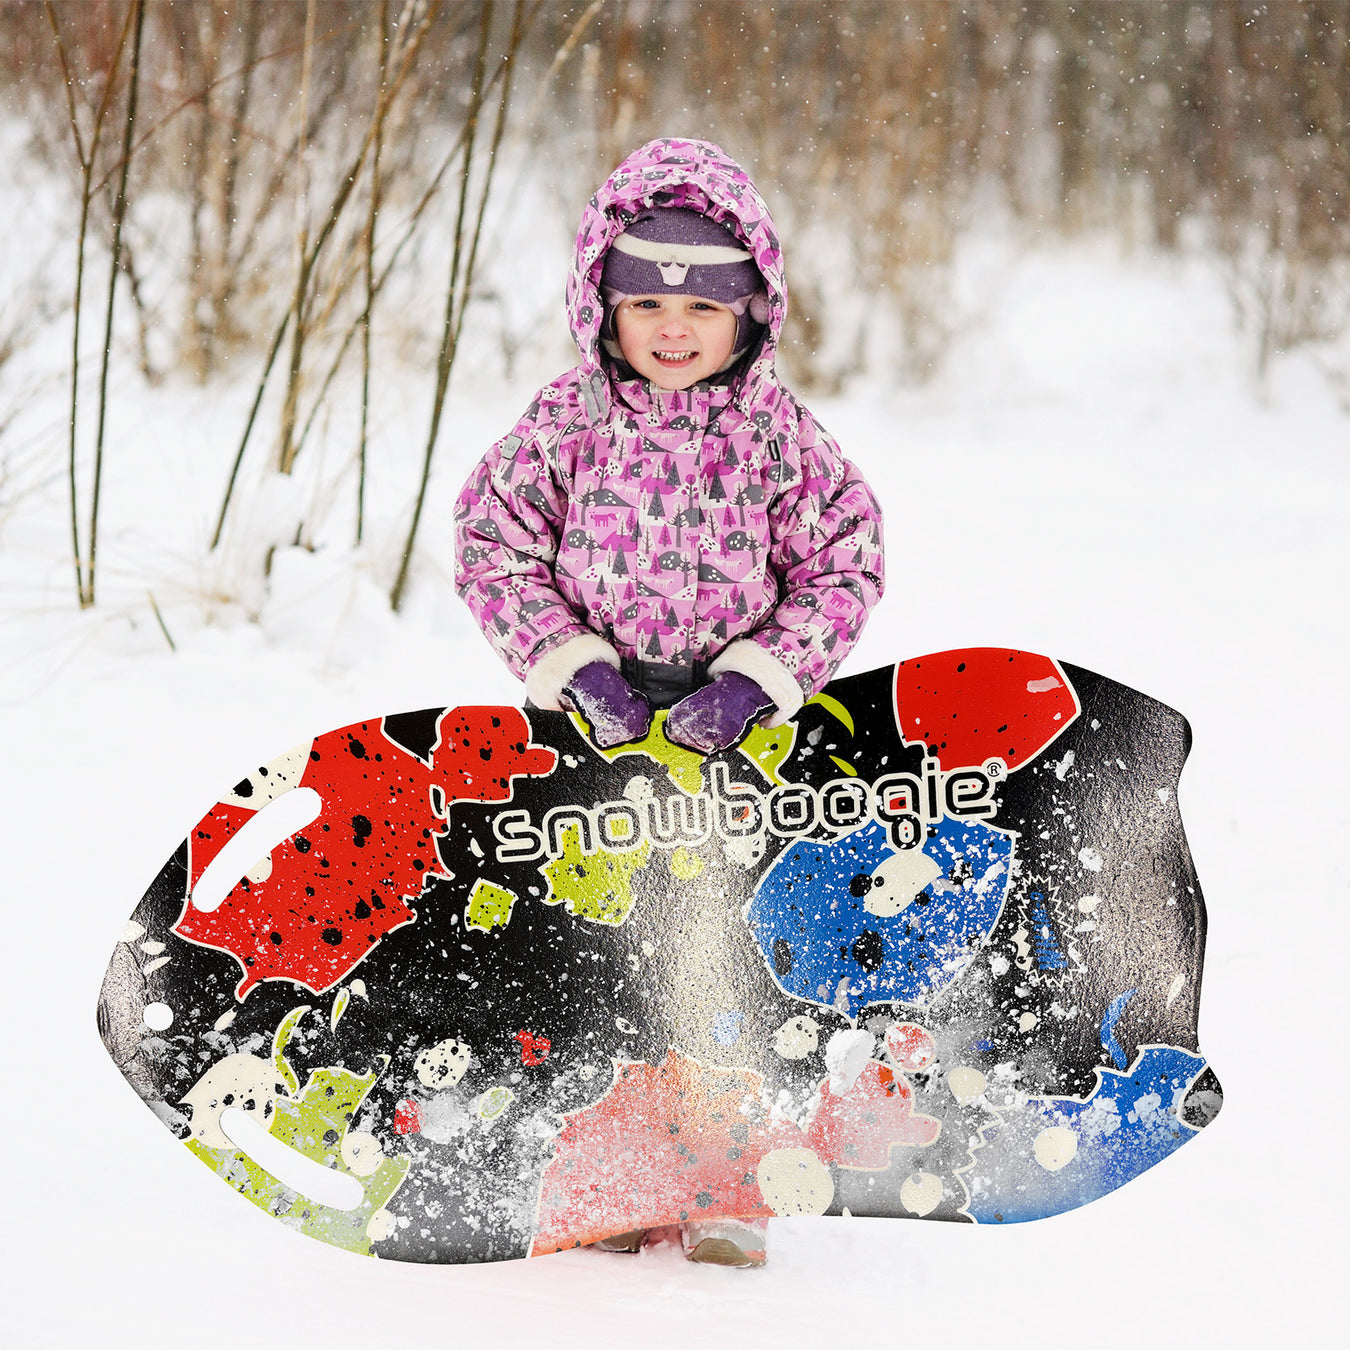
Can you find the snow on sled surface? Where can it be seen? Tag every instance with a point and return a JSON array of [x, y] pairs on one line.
[[930, 950]]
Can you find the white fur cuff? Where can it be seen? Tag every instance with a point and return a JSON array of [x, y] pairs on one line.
[[747, 657], [545, 679]]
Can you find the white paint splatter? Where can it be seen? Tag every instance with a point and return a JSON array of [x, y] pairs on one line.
[[921, 1193], [276, 777], [232, 1082], [362, 1153], [443, 1064], [797, 1038], [845, 1055], [1055, 1147], [261, 870], [898, 880], [966, 1084], [794, 1182]]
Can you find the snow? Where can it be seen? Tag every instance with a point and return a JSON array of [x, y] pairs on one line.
[[1093, 473]]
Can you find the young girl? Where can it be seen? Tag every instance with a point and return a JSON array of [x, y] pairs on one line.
[[667, 526]]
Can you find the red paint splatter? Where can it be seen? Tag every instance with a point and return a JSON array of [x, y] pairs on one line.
[[407, 1117], [341, 884], [983, 703], [909, 1046], [685, 1140], [533, 1049], [681, 1138], [858, 1128]]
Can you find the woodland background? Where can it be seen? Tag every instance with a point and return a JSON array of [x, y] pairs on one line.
[[1069, 284], [275, 183]]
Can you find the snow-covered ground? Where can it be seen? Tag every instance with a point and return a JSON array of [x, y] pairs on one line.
[[1094, 475]]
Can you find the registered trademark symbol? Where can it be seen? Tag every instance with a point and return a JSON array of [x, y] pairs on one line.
[[995, 768]]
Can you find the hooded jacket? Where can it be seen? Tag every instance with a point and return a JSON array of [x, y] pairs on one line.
[[717, 527]]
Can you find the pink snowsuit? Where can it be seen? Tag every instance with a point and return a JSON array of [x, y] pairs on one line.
[[672, 524]]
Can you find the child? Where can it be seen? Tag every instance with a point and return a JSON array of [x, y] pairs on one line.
[[667, 526]]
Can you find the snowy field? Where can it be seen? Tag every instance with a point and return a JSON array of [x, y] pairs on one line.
[[1095, 474]]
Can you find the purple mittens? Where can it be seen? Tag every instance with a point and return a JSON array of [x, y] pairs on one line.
[[616, 712], [717, 716]]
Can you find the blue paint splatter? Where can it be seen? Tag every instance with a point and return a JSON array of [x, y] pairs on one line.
[[810, 917], [1130, 1122], [727, 1027], [1109, 1020], [1048, 954]]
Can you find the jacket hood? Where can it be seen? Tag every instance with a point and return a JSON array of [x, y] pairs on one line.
[[693, 174]]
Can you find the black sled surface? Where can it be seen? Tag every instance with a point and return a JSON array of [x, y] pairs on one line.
[[932, 949]]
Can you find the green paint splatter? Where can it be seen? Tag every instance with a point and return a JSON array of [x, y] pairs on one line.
[[685, 766], [344, 997], [489, 906], [595, 886], [285, 1030], [768, 750], [493, 1102], [832, 705], [314, 1123]]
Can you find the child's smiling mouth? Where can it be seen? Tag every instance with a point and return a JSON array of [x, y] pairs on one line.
[[675, 358]]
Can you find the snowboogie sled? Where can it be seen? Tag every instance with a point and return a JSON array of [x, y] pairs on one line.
[[456, 986]]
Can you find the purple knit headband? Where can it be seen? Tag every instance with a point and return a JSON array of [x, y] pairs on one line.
[[675, 251]]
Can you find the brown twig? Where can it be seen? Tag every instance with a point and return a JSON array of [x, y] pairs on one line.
[[461, 278], [347, 185], [86, 160], [372, 220], [119, 219]]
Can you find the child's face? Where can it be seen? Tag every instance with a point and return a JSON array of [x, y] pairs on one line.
[[674, 340]]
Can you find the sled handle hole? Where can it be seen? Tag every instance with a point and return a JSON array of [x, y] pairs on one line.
[[248, 851], [337, 1190]]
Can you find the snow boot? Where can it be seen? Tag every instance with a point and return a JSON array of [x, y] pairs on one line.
[[725, 1242]]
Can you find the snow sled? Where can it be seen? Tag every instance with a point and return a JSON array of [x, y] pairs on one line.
[[456, 986]]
